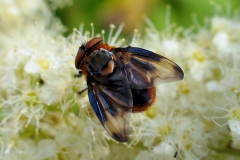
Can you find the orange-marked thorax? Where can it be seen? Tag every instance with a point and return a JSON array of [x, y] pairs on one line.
[[85, 60]]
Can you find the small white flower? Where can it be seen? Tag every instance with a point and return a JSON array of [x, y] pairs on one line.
[[218, 24], [221, 40], [170, 48], [31, 67], [234, 126], [164, 151], [46, 148], [213, 86]]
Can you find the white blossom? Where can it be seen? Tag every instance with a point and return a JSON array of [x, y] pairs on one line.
[[42, 116]]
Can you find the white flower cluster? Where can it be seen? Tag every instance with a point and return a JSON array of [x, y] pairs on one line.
[[43, 117]]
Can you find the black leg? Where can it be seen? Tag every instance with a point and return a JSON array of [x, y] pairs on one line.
[[176, 153], [80, 92]]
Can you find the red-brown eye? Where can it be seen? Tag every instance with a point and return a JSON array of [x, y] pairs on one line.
[[79, 57], [93, 42]]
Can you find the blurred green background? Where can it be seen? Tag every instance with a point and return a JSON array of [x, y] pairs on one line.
[[132, 12]]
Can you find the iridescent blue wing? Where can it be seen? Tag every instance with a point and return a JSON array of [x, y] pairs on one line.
[[145, 69], [112, 103]]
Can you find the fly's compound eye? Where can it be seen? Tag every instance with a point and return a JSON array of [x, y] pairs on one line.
[[98, 60], [80, 55]]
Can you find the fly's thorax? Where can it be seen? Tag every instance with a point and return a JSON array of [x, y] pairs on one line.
[[100, 62]]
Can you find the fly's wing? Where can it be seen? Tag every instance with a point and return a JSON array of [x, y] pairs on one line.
[[145, 69], [112, 104]]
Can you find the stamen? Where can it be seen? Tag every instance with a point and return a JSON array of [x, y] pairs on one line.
[[112, 27], [92, 30], [103, 34], [115, 37]]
